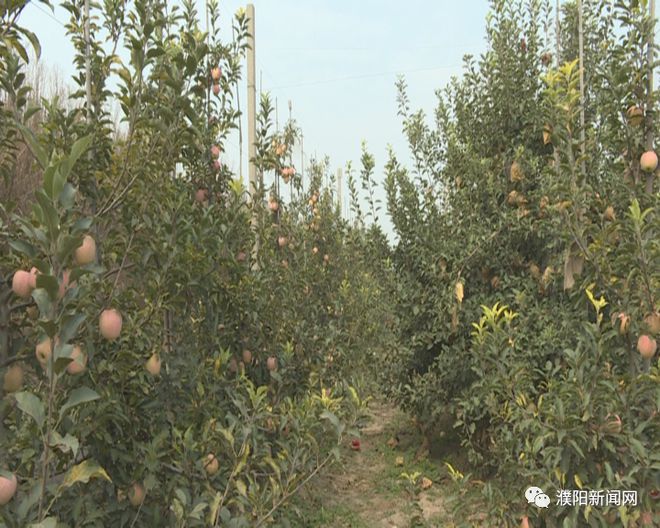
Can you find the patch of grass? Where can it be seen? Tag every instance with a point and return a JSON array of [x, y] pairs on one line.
[[338, 516]]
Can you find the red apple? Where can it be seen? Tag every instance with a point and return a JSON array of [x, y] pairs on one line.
[[216, 89], [201, 195], [43, 352], [215, 151], [646, 346], [649, 161], [211, 464], [86, 253], [21, 284], [64, 283], [355, 444], [271, 363], [79, 363], [137, 494], [635, 115], [153, 365], [7, 489], [13, 379], [110, 324], [33, 278], [247, 356]]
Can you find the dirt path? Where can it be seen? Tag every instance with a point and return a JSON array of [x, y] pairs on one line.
[[367, 490]]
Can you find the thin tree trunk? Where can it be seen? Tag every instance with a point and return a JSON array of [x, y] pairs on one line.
[[581, 58], [649, 105]]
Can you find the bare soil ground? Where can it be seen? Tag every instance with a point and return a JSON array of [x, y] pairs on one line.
[[367, 489]]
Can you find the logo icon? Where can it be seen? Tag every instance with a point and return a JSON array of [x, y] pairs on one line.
[[536, 495]]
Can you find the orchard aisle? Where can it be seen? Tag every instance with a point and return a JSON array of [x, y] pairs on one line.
[[366, 488]]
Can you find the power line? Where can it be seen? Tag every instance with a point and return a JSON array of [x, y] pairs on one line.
[[47, 13], [365, 76]]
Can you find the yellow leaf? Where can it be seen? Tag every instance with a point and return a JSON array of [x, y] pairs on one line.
[[83, 472], [426, 483], [399, 461], [458, 291]]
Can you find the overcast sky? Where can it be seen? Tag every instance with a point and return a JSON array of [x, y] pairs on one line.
[[337, 62]]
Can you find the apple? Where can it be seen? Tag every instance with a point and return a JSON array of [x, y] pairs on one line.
[[609, 214], [201, 195], [282, 241], [649, 161], [64, 284], [153, 365], [7, 489], [136, 494], [33, 278], [211, 465], [79, 363], [43, 352], [273, 205], [217, 165], [216, 89], [21, 284], [315, 250], [216, 73], [86, 252], [241, 256], [215, 151], [525, 522], [646, 346], [652, 321], [13, 380], [271, 363], [110, 323], [355, 444], [635, 115], [247, 356], [624, 322], [326, 258], [516, 173], [233, 365]]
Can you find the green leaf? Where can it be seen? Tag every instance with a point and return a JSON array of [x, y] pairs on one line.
[[215, 506], [241, 488], [62, 357], [49, 175], [81, 225], [42, 299], [23, 247], [78, 396], [48, 283], [66, 444], [78, 149], [50, 214], [32, 405], [48, 522], [67, 244], [83, 472], [33, 40], [68, 196], [70, 327]]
